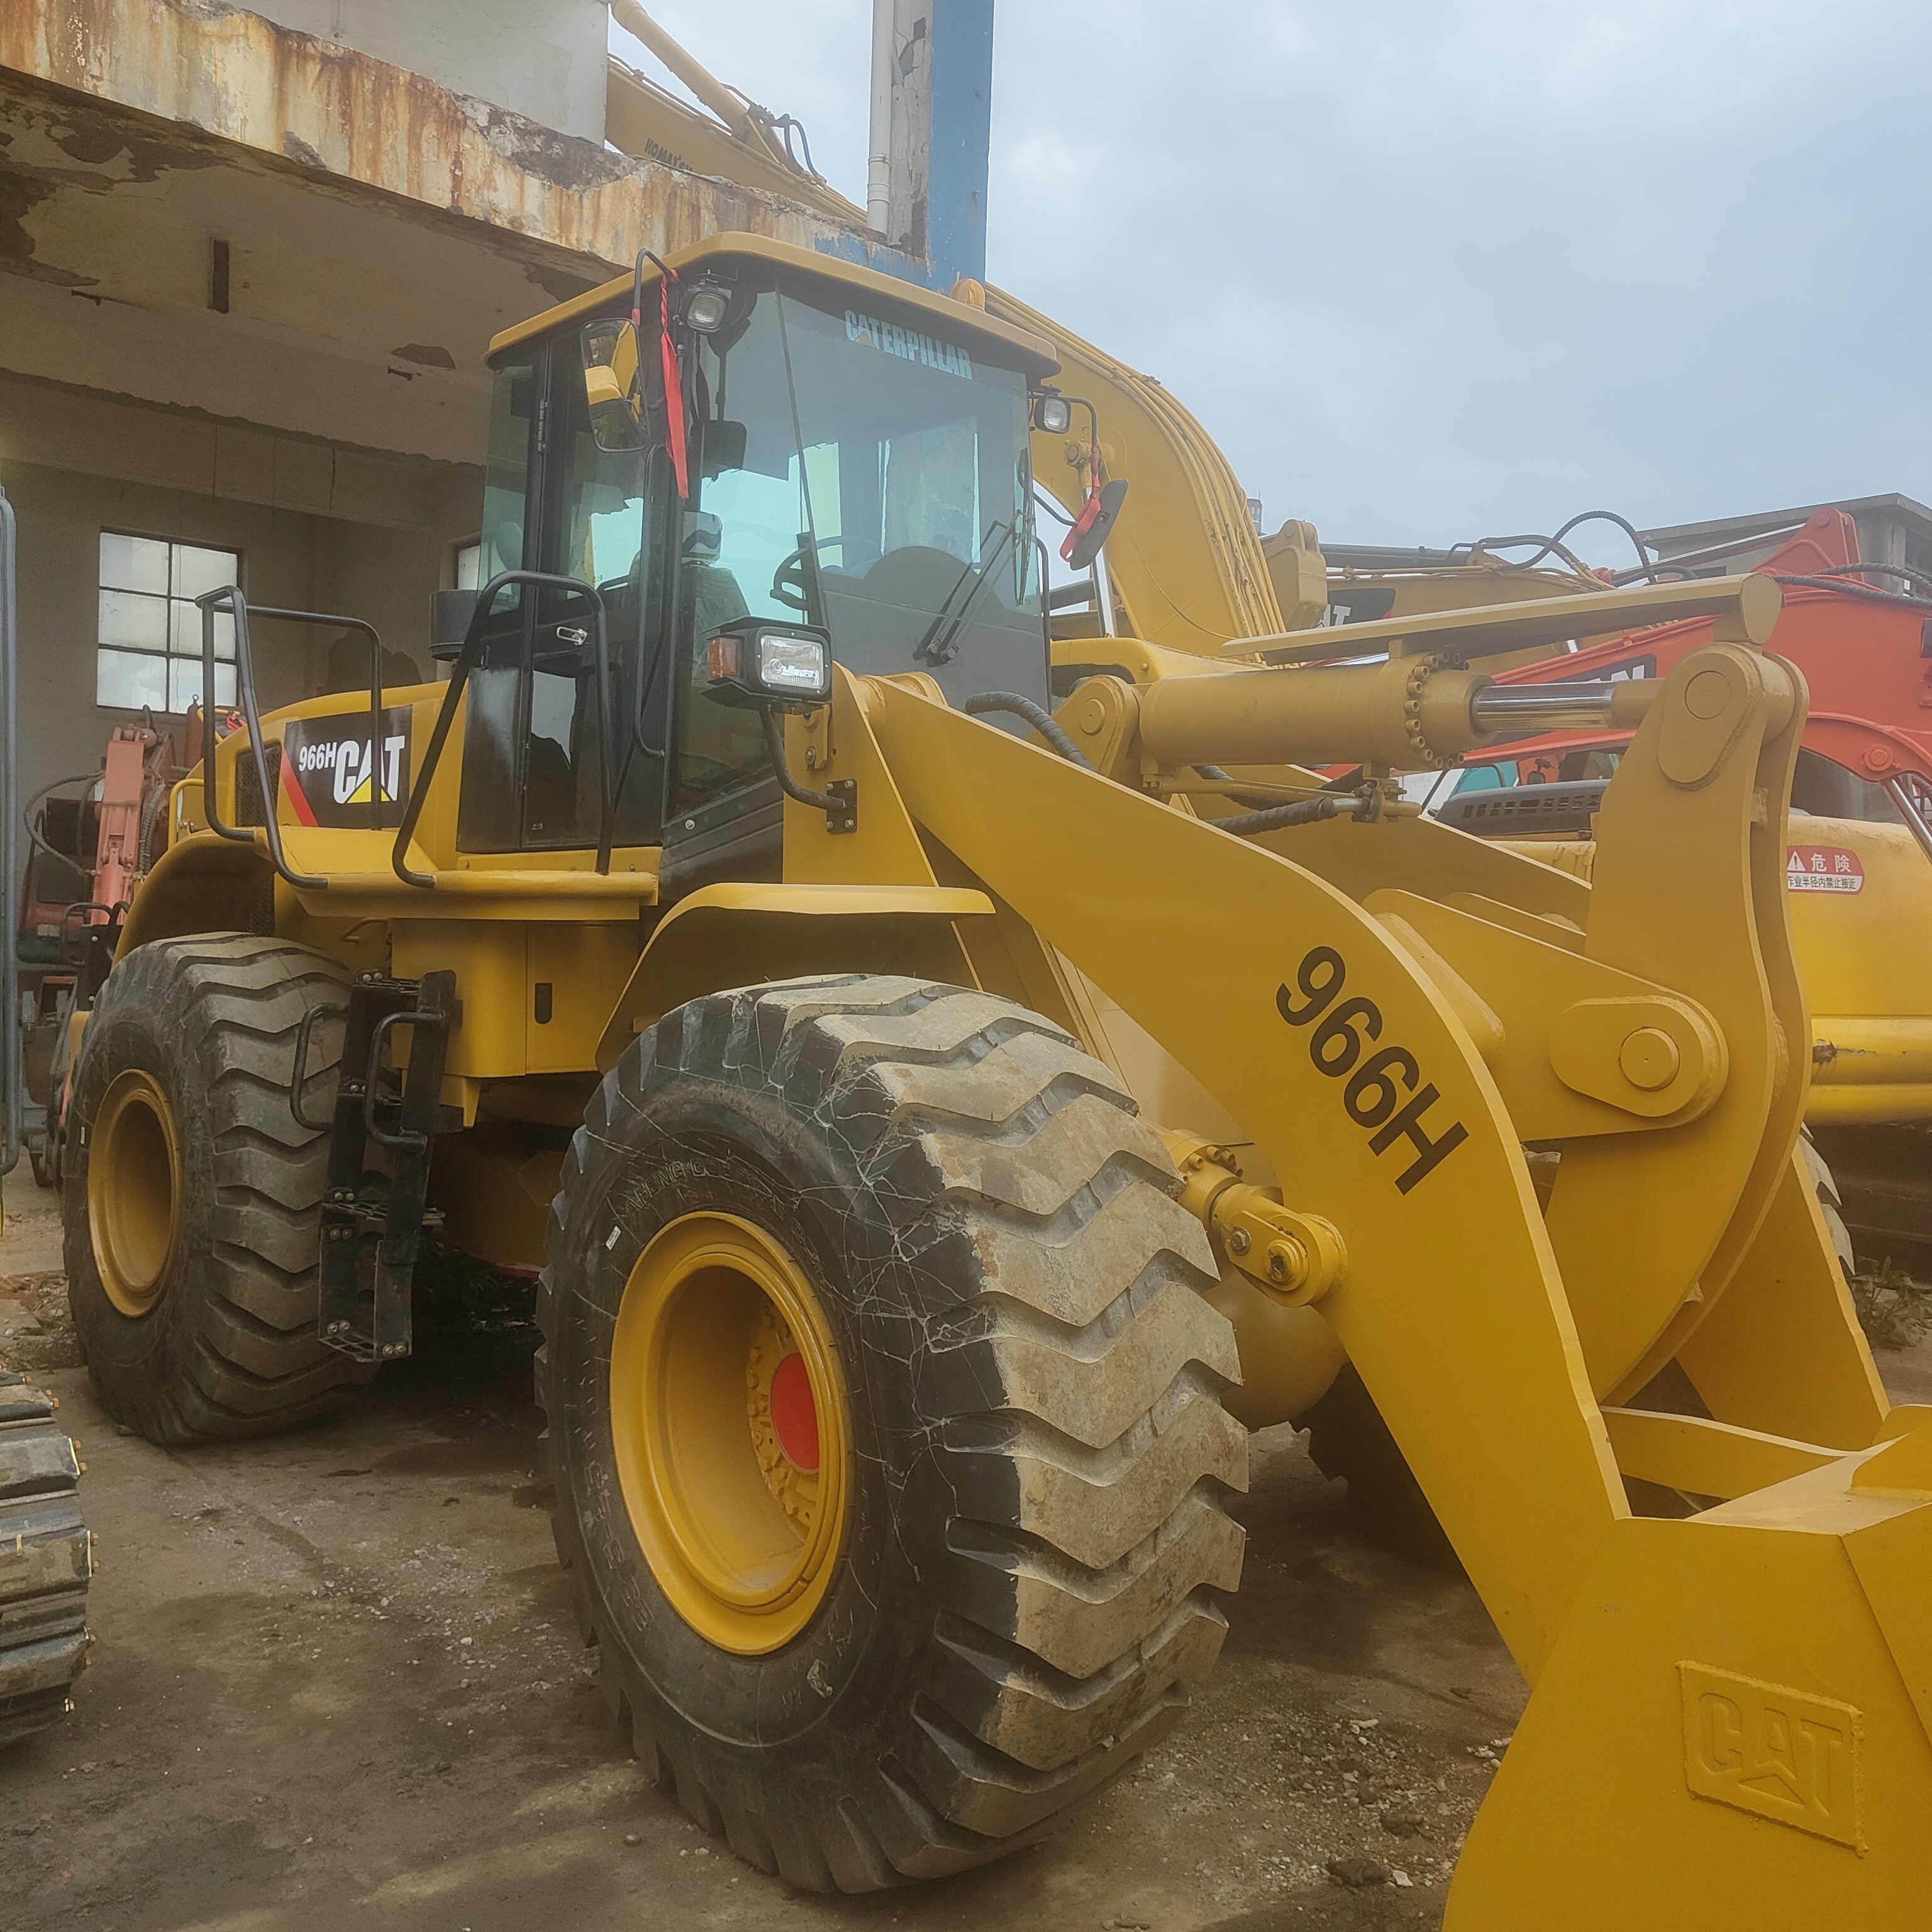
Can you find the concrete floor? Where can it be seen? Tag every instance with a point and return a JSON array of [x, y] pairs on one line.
[[336, 1682]]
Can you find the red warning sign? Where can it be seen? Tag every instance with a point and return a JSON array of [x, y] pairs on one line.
[[1823, 868]]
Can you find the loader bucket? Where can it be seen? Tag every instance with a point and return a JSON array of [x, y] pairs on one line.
[[1732, 1730]]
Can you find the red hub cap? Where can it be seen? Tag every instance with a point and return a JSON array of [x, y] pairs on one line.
[[794, 1414]]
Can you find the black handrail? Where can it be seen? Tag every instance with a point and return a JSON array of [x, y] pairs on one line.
[[459, 677], [334, 1009], [116, 916], [238, 609]]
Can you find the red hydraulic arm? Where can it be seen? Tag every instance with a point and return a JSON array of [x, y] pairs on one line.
[[1863, 652]]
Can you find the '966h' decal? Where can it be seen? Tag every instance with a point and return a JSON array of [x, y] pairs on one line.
[[1374, 1096], [330, 771]]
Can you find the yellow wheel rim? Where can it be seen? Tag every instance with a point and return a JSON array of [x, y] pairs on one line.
[[729, 1419], [133, 1190]]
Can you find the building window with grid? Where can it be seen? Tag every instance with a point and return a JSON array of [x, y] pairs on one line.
[[150, 631]]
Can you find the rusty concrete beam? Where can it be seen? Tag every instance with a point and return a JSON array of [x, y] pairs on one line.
[[304, 103]]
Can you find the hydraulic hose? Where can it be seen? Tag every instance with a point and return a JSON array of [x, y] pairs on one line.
[[88, 778], [1304, 812], [1214, 775], [1037, 715], [1555, 545], [1866, 593], [819, 801]]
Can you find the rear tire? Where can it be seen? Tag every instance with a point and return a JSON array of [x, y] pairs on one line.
[[46, 1561], [1831, 1203], [198, 1320], [1021, 1594], [1349, 1442]]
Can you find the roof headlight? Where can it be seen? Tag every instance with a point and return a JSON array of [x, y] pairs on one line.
[[706, 307], [1052, 416]]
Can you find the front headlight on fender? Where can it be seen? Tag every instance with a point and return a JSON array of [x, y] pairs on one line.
[[755, 661]]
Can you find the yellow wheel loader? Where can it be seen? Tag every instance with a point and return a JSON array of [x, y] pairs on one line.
[[944, 1118]]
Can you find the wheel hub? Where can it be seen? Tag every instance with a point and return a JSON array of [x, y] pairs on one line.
[[795, 1415], [134, 1190], [729, 1425]]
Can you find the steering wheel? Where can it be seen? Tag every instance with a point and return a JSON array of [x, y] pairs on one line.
[[788, 585]]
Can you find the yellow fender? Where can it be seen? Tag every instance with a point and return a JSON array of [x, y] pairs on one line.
[[739, 934]]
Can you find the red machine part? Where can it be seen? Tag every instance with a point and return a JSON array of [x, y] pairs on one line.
[[1864, 657], [130, 831], [117, 855]]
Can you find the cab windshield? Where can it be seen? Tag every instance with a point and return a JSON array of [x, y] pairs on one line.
[[854, 472]]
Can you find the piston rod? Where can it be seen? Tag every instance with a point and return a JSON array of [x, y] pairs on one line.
[[1578, 707]]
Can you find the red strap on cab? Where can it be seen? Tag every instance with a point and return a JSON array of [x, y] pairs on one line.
[[673, 380]]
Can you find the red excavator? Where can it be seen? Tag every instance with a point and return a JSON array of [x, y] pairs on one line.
[[1859, 866], [92, 837]]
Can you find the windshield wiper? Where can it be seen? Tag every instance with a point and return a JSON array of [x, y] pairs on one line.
[[940, 644]]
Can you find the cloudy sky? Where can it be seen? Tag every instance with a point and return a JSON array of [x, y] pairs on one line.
[[1432, 269]]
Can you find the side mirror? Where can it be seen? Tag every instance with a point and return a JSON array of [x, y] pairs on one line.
[[450, 613], [721, 447], [613, 385], [1096, 520]]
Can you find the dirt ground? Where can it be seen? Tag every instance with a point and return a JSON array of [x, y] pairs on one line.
[[336, 1681]]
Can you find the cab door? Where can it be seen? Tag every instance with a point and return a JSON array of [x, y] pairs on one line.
[[533, 775]]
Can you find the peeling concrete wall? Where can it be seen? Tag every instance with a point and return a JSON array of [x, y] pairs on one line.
[[351, 121], [546, 59]]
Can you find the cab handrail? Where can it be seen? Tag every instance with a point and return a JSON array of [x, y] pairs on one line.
[[238, 607]]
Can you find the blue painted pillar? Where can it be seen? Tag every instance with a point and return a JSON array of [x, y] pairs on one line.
[[961, 135], [941, 132]]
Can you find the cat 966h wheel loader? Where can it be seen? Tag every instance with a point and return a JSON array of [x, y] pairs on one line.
[[938, 1118]]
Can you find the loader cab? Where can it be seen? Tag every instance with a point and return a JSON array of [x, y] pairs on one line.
[[856, 459]]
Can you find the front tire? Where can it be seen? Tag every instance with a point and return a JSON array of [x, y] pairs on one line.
[[999, 1588], [191, 1195]]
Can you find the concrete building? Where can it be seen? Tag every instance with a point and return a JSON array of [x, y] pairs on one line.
[[1892, 529], [249, 264], [545, 60]]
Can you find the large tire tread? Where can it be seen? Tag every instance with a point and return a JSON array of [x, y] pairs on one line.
[[243, 1358], [1071, 1374]]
